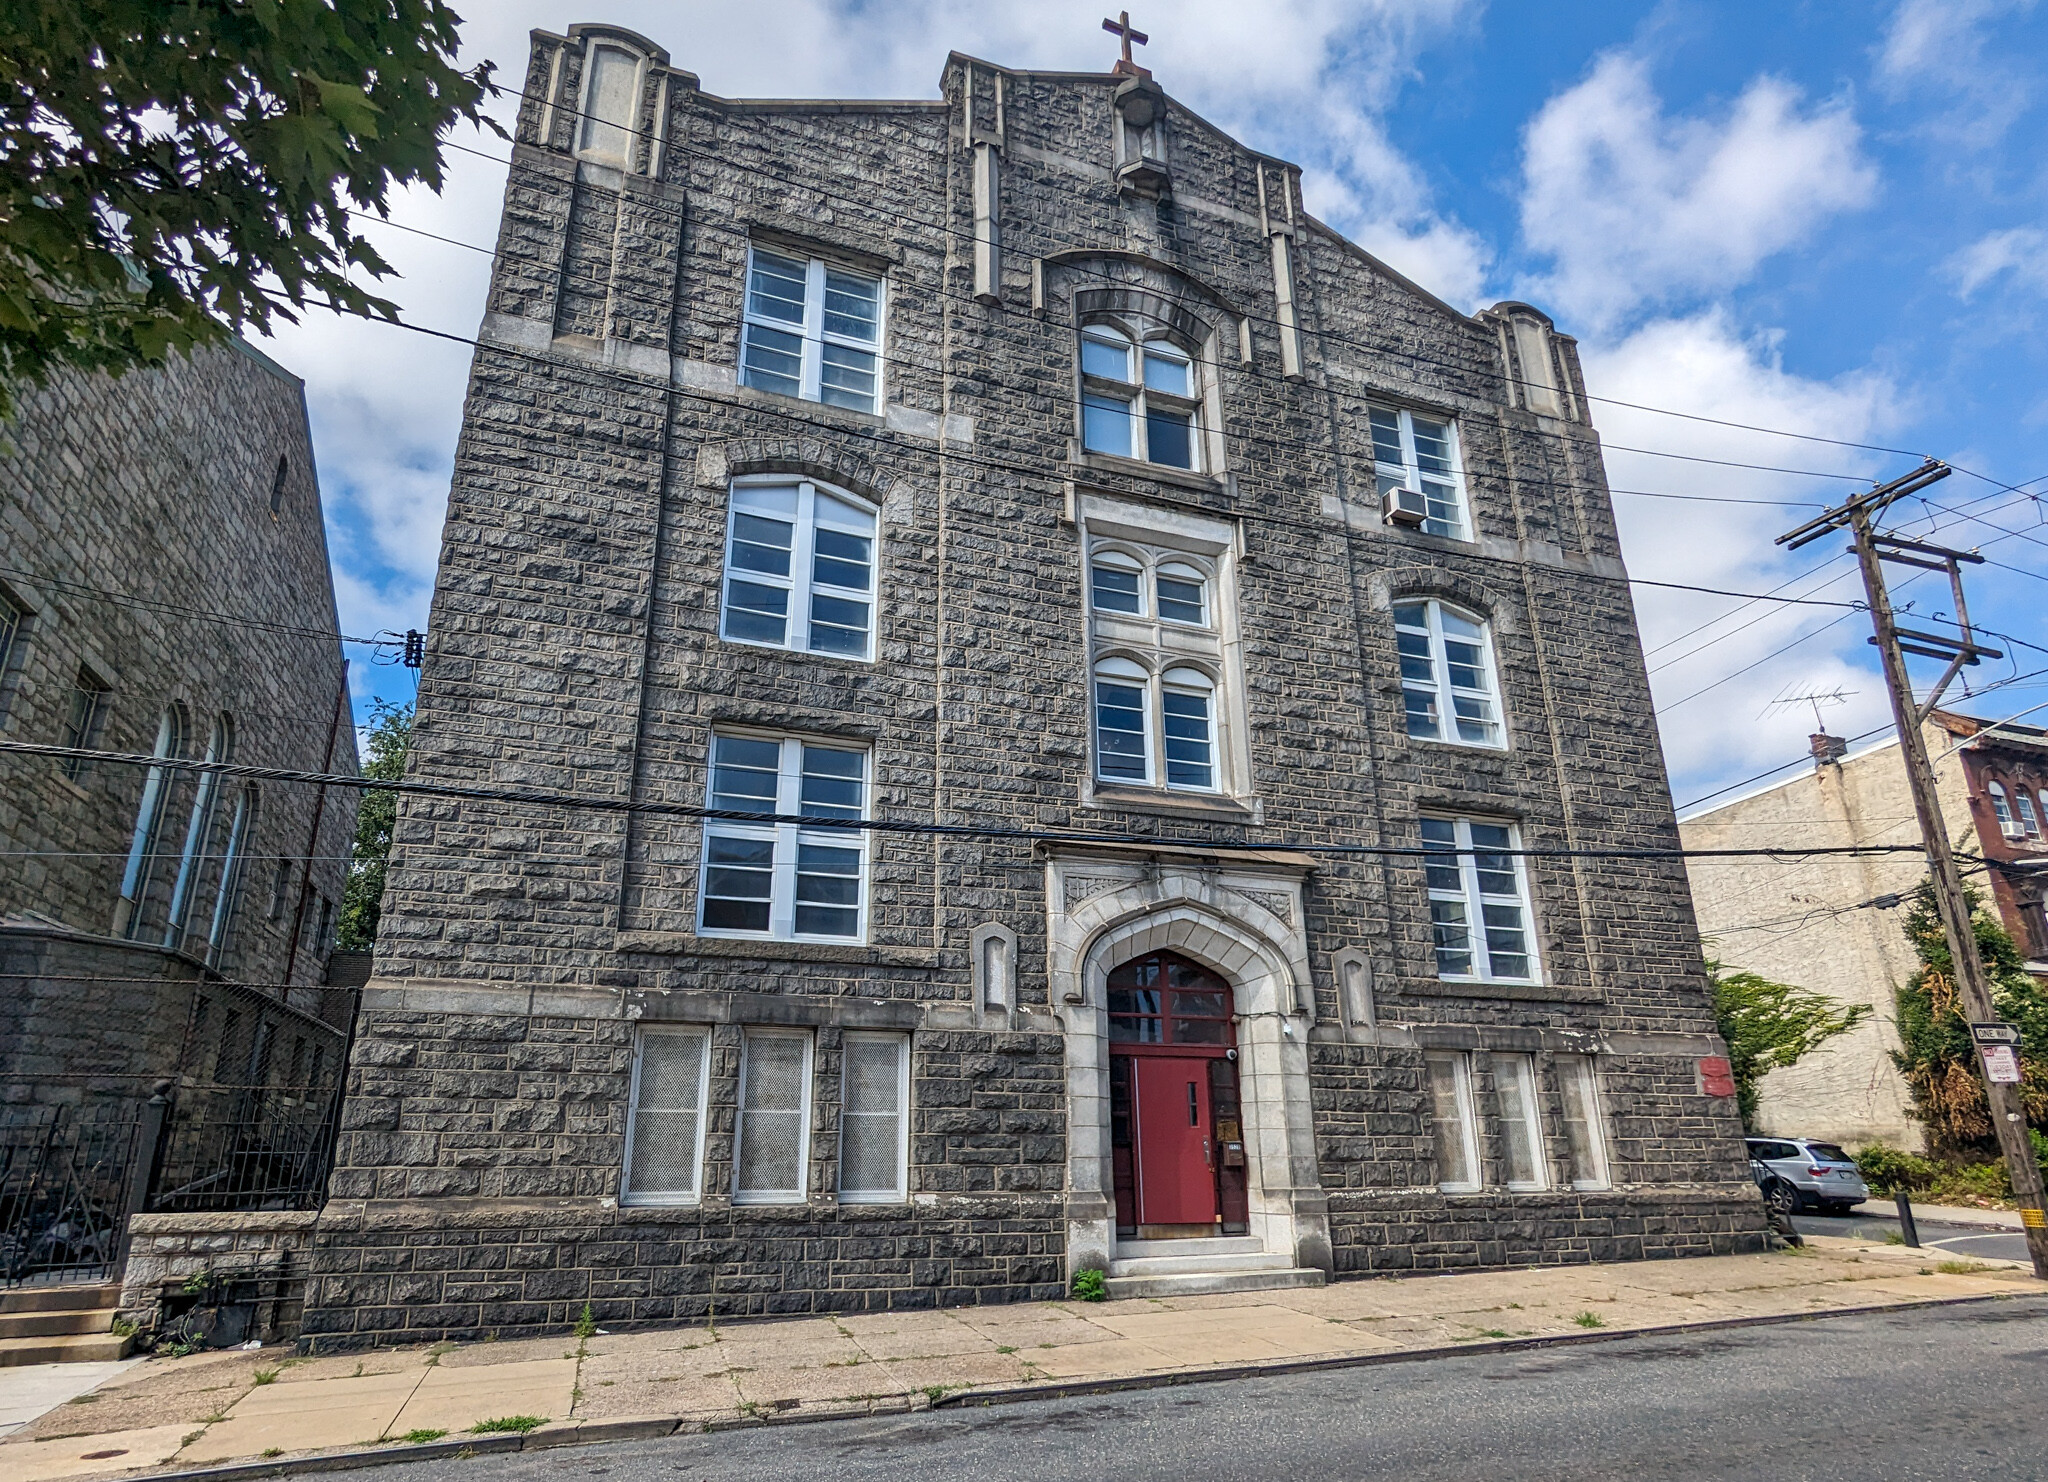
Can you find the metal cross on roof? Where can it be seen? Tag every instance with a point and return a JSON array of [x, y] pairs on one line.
[[1121, 26]]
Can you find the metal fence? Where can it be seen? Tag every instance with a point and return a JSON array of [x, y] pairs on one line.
[[66, 1186]]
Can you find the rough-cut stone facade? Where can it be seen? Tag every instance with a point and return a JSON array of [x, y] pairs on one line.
[[149, 540], [575, 646]]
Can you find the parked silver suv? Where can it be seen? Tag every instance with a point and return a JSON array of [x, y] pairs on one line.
[[1820, 1174]]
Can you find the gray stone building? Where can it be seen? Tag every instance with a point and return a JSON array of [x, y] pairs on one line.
[[164, 591], [1202, 618]]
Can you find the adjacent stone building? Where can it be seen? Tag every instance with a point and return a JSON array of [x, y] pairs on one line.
[[1171, 626], [1835, 925], [164, 591]]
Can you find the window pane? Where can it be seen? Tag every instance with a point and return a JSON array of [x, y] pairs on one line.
[[760, 545], [1447, 1102], [827, 890], [1452, 935], [1180, 599], [1114, 589], [1169, 374], [842, 560], [1120, 731], [1432, 447], [847, 378], [774, 361], [1514, 1083], [1423, 721], [1416, 663], [776, 288], [1496, 871], [1584, 1134], [1111, 362], [771, 1118], [838, 626], [871, 1125], [738, 875], [832, 782], [666, 1113], [1507, 944], [1475, 719], [1188, 760], [1170, 438], [1386, 437], [1106, 426], [1441, 833], [1443, 517], [743, 774], [853, 306]]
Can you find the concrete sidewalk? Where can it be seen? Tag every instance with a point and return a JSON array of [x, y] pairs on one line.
[[208, 1409]]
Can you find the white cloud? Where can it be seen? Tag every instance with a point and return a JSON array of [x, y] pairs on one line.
[[1640, 208], [2021, 251], [1942, 44], [1704, 364]]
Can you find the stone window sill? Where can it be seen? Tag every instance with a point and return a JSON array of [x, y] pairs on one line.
[[688, 944], [1214, 809], [1138, 468]]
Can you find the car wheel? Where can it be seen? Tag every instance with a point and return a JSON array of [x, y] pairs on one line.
[[1780, 1198]]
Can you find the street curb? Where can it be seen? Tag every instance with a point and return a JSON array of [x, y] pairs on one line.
[[1074, 1388], [653, 1427]]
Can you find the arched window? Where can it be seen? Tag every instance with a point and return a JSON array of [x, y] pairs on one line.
[[800, 568], [172, 728], [233, 870], [277, 483], [193, 860], [1188, 728], [1448, 688], [1140, 397], [2008, 825], [1123, 707]]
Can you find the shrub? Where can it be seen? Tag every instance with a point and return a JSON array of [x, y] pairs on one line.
[[1091, 1286], [1889, 1169]]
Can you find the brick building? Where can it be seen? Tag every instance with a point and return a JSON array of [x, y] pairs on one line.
[[164, 591], [1025, 462], [1789, 921]]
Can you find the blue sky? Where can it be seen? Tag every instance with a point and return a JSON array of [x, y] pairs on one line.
[[1831, 219]]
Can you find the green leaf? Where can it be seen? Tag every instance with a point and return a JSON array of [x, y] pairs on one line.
[[348, 105]]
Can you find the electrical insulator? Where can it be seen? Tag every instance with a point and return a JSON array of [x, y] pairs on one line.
[[415, 648]]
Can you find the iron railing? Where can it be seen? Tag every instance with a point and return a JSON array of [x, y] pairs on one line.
[[66, 1187]]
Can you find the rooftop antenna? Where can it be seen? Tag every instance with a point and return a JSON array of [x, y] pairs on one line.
[[1814, 697]]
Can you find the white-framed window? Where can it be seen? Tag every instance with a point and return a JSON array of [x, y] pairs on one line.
[[2008, 823], [195, 858], [874, 1118], [1156, 676], [1478, 901], [1453, 1122], [1140, 398], [1585, 1128], [611, 97], [1449, 689], [665, 1119], [1420, 453], [813, 330], [786, 881], [2030, 819], [773, 1142], [234, 866], [799, 568], [1521, 1122], [173, 726]]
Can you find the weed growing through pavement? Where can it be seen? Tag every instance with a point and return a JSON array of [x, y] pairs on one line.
[[1493, 1332], [517, 1425], [83, 1399], [1589, 1320], [1960, 1268], [265, 1376], [1006, 1350], [421, 1437], [216, 1418], [272, 1451], [1894, 1237]]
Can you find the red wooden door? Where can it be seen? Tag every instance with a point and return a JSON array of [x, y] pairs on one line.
[[1176, 1184]]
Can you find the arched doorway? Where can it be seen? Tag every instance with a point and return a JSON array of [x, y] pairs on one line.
[[1176, 1127]]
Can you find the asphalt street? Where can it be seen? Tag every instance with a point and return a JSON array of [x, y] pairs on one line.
[[1938, 1393], [1878, 1218]]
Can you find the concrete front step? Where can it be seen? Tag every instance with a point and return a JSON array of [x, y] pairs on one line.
[[1208, 1245], [81, 1348], [54, 1324], [1177, 1265], [78, 1298], [1211, 1283]]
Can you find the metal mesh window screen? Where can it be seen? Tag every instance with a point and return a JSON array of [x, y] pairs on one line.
[[668, 1115], [871, 1119], [1584, 1132], [774, 1076]]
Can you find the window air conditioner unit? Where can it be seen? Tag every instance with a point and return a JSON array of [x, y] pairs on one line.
[[1403, 507], [2014, 830]]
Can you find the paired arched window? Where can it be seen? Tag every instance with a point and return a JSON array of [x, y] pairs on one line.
[[1157, 666], [1449, 689], [233, 869], [2018, 815], [2030, 818], [1155, 727], [1140, 396], [2008, 824], [196, 859]]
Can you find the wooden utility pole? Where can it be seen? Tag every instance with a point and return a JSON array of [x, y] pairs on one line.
[[1858, 516]]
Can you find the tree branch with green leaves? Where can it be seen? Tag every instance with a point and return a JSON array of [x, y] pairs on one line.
[[172, 173], [1770, 1026]]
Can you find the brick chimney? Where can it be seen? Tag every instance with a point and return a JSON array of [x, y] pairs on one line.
[[1826, 748]]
